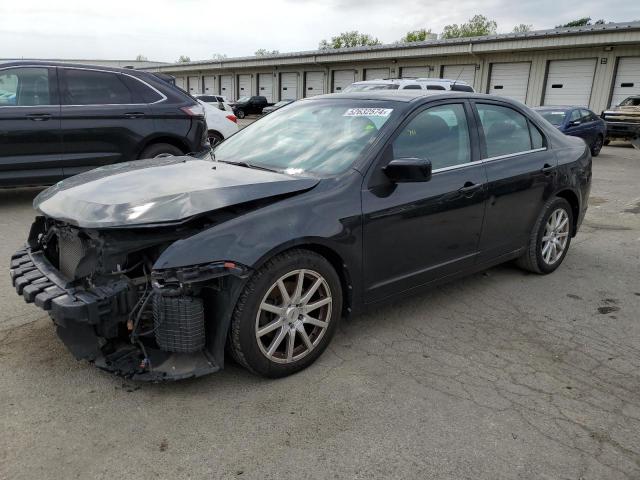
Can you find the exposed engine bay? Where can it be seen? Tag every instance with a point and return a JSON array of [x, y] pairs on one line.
[[111, 307]]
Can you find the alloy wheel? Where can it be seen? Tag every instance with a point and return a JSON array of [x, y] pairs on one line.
[[555, 237], [293, 316]]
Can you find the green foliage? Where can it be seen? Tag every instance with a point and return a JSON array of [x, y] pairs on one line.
[[349, 39], [581, 22], [522, 28], [418, 36], [477, 26], [218, 57], [184, 59], [261, 52]]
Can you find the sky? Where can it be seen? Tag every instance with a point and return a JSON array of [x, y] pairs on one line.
[[163, 30]]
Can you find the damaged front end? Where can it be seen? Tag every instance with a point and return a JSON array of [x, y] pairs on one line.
[[111, 307]]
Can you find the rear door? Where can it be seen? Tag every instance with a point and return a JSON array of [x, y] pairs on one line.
[[521, 174], [102, 120], [30, 145]]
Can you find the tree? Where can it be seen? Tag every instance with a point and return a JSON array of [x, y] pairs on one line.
[[184, 59], [477, 26], [418, 36], [349, 39], [261, 52], [522, 28], [581, 22], [141, 58], [218, 57]]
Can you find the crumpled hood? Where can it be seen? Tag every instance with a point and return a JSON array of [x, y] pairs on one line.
[[159, 190]]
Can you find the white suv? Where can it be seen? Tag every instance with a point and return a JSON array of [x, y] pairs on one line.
[[409, 84]]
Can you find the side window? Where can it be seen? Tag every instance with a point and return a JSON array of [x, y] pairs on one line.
[[435, 87], [26, 87], [141, 92], [537, 140], [575, 115], [439, 134], [88, 87], [505, 130], [586, 116], [412, 87]]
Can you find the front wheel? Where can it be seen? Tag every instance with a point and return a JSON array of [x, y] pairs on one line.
[[550, 238], [214, 138], [286, 315], [240, 114], [597, 146]]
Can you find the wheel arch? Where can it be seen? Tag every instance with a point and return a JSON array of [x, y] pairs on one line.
[[176, 142], [573, 199]]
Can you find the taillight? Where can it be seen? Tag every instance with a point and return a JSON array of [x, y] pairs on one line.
[[194, 110], [232, 118]]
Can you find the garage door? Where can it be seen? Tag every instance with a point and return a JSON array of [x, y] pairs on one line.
[[265, 86], [569, 82], [194, 85], [414, 72], [288, 86], [376, 73], [209, 84], [342, 79], [244, 86], [466, 73], [510, 80], [313, 84], [627, 79], [181, 82], [226, 86]]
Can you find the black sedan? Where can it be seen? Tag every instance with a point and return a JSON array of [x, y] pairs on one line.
[[577, 122], [316, 212]]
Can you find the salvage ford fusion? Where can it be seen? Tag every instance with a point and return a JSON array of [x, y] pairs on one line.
[[150, 269]]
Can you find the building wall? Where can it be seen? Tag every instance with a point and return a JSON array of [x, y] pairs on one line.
[[606, 56]]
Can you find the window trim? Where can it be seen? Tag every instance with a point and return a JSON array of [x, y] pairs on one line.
[[53, 90], [483, 141], [164, 97]]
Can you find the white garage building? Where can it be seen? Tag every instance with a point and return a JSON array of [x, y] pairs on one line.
[[593, 66]]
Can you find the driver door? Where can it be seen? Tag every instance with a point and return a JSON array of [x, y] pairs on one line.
[[417, 233]]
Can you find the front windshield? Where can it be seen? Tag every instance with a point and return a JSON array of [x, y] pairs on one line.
[[317, 137], [367, 87], [554, 117], [631, 102], [243, 99]]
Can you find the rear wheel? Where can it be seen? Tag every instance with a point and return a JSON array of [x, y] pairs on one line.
[[286, 315], [161, 150], [240, 114], [597, 146], [550, 238], [214, 138]]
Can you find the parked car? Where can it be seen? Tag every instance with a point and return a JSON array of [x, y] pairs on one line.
[[322, 209], [577, 122], [409, 84], [248, 105], [57, 120], [220, 123], [215, 100], [276, 106], [623, 121]]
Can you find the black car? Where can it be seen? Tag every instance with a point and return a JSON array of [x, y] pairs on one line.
[[317, 211], [577, 122], [57, 120], [276, 106], [247, 105]]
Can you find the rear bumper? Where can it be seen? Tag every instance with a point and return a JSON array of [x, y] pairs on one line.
[[88, 322]]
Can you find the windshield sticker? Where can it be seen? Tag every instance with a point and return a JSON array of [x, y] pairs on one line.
[[368, 112]]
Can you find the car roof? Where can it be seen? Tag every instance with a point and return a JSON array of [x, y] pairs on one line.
[[408, 80], [407, 96], [42, 63]]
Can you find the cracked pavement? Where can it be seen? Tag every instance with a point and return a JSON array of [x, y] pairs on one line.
[[502, 375]]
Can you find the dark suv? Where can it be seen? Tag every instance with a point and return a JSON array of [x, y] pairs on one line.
[[57, 120], [247, 105]]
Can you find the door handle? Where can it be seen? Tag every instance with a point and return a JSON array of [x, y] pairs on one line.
[[134, 115], [469, 188], [548, 169], [39, 117]]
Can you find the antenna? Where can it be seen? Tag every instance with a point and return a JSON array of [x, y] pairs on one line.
[[458, 77]]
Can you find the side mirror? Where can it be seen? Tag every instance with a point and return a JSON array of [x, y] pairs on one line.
[[403, 170]]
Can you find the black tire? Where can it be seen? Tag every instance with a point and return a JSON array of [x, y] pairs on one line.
[[242, 341], [606, 141], [597, 146], [161, 150], [214, 138], [240, 114], [532, 259]]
